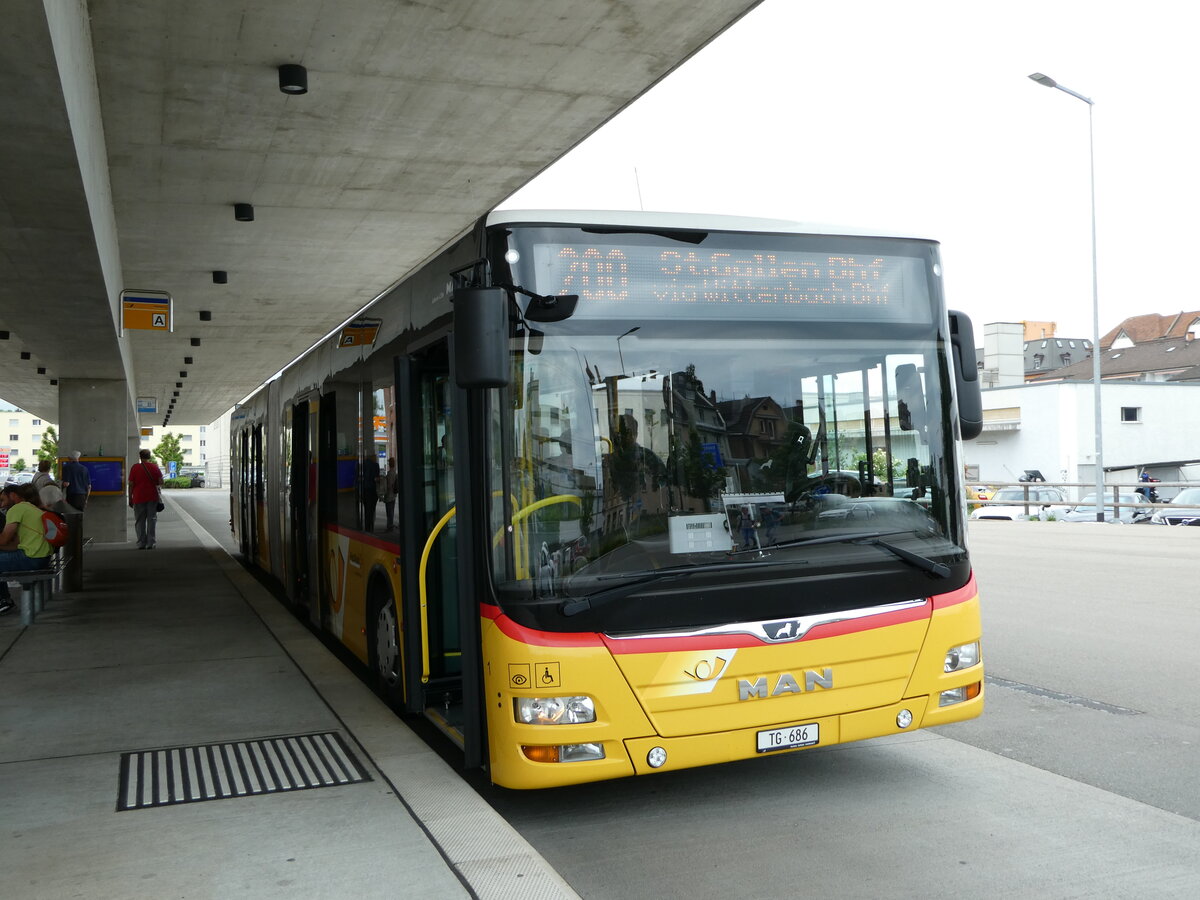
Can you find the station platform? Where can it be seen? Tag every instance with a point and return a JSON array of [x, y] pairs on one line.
[[173, 731]]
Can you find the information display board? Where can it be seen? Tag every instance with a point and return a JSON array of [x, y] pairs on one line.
[[107, 473]]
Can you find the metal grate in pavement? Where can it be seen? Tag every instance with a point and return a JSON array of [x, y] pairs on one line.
[[237, 769]]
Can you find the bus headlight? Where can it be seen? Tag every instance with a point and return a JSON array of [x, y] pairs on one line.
[[554, 710], [959, 694], [962, 657]]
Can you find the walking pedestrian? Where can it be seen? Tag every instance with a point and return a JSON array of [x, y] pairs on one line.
[[145, 499]]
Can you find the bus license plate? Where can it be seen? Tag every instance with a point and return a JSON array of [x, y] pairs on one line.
[[787, 738]]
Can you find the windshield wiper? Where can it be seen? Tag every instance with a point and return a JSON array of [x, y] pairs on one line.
[[577, 605], [873, 539]]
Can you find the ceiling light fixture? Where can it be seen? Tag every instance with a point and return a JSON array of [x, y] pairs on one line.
[[205, 315], [243, 212], [293, 79], [187, 360], [41, 370], [25, 354], [195, 342], [219, 275]]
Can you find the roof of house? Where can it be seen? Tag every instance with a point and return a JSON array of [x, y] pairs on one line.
[[1152, 326], [1177, 357]]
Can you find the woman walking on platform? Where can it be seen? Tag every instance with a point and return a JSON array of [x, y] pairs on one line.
[[145, 498]]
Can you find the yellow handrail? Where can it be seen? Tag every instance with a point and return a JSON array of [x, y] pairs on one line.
[[421, 586], [437, 529]]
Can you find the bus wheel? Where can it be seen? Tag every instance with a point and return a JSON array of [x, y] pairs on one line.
[[385, 649]]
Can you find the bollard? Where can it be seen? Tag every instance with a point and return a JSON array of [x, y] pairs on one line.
[[72, 574]]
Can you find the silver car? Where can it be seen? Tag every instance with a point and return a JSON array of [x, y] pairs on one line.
[[1134, 508], [1049, 499], [1184, 509]]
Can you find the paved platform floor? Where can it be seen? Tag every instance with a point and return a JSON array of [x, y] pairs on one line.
[[180, 647]]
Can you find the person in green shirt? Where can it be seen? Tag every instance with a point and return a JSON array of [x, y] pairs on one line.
[[23, 546]]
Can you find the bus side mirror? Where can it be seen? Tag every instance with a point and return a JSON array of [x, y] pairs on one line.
[[481, 337], [910, 399], [966, 376]]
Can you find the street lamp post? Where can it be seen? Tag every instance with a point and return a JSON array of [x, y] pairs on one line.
[[621, 355], [1050, 82]]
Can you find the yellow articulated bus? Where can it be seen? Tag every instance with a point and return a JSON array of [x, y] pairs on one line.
[[605, 494]]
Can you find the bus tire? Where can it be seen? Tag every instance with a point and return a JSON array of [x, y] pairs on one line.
[[387, 663]]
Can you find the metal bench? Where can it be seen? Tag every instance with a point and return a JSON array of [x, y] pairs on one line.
[[38, 586]]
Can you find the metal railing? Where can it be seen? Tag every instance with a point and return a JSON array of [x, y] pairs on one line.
[[1115, 503]]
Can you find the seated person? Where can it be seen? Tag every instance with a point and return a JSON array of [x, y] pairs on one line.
[[23, 546]]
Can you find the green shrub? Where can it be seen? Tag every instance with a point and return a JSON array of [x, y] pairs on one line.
[[181, 482]]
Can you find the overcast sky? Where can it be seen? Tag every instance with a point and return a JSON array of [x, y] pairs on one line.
[[919, 117]]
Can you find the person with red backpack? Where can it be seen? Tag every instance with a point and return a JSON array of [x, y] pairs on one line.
[[23, 545]]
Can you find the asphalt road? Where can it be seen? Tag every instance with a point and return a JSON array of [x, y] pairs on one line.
[[1080, 779]]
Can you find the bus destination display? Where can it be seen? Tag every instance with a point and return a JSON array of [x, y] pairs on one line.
[[821, 285]]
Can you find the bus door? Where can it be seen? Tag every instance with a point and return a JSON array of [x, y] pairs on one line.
[[431, 582], [301, 504], [246, 512]]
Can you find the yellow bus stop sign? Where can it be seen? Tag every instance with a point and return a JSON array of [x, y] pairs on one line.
[[146, 311]]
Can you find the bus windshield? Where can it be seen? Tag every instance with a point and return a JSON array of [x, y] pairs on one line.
[[651, 460]]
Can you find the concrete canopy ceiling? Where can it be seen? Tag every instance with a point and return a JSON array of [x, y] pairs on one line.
[[419, 118]]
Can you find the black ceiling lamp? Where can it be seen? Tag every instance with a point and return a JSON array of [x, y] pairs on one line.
[[293, 79], [195, 342], [220, 276], [175, 394], [243, 212], [179, 384], [41, 370], [187, 360], [183, 374], [25, 354], [3, 335], [54, 382], [205, 315]]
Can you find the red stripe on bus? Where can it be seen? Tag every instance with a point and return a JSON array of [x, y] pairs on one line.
[[536, 638], [364, 538], [734, 640], [967, 592]]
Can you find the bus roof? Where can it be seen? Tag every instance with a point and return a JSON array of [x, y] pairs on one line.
[[698, 221]]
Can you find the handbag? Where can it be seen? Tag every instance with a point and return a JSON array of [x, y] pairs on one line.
[[160, 506]]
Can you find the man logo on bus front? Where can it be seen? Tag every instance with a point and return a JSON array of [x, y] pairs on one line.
[[790, 630]]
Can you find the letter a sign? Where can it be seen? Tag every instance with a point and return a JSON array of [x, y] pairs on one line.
[[146, 310]]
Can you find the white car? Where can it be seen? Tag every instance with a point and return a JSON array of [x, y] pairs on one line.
[[1047, 500]]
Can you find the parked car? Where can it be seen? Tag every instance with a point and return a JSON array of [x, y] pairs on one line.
[[195, 473], [1184, 509], [20, 477], [1049, 500], [1134, 508]]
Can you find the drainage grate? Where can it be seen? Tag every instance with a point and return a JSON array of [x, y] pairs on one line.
[[237, 769]]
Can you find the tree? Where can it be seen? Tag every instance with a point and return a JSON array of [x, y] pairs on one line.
[[168, 450], [19, 465], [49, 448]]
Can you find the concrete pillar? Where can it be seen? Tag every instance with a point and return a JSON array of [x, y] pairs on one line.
[[95, 418]]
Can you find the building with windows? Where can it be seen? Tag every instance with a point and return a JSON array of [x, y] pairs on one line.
[[1150, 412], [21, 436]]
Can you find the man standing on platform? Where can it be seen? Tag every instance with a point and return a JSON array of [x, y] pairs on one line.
[[76, 482]]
